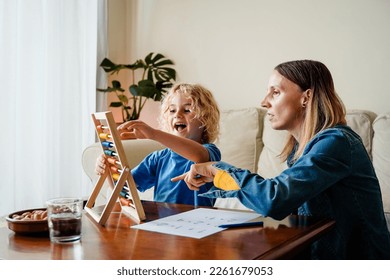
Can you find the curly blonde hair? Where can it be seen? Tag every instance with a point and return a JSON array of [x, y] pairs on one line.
[[204, 105]]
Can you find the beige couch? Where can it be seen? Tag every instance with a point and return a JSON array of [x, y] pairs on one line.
[[248, 141]]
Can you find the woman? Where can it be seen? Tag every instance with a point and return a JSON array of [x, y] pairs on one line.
[[329, 171]]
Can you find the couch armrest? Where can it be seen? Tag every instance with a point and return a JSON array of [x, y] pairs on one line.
[[135, 150]]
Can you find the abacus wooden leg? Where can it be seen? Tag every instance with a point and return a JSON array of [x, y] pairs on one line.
[[134, 208], [112, 146]]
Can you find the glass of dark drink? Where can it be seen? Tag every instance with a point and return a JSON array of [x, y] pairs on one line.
[[64, 219]]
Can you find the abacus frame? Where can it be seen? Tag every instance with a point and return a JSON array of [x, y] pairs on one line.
[[134, 209]]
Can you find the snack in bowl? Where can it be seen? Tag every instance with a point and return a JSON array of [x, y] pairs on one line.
[[35, 215], [29, 222]]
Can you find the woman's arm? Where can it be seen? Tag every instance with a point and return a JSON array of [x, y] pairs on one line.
[[325, 162]]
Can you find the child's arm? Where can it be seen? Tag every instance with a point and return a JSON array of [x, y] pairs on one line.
[[187, 148]]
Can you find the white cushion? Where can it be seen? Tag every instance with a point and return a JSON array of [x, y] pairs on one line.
[[361, 122], [381, 156], [270, 164], [240, 137]]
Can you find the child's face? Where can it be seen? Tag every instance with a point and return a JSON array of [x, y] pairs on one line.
[[181, 118]]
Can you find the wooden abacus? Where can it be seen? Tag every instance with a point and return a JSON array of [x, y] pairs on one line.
[[117, 174]]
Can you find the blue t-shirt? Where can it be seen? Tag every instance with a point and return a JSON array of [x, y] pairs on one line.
[[159, 167]]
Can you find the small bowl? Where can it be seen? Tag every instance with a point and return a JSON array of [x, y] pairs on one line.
[[31, 227]]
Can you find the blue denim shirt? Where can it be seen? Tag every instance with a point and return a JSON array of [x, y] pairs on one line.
[[333, 178]]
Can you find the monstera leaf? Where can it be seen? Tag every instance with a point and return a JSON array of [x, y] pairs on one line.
[[156, 78]]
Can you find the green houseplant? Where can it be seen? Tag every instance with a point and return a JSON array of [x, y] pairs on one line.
[[156, 77]]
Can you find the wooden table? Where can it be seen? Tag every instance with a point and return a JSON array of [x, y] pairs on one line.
[[116, 240]]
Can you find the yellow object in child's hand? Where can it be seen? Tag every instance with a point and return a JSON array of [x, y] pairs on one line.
[[224, 181]]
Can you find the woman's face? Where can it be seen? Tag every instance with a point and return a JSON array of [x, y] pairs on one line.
[[283, 102]]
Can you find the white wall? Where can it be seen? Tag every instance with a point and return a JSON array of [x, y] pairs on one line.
[[231, 46]]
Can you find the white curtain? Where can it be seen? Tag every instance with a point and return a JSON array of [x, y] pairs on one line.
[[49, 56]]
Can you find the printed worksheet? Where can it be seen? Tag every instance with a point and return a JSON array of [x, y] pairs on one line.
[[197, 223]]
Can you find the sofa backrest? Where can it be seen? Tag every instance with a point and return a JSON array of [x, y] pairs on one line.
[[381, 156], [248, 141], [269, 164]]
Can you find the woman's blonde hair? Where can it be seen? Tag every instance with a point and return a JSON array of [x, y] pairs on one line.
[[204, 105], [324, 108]]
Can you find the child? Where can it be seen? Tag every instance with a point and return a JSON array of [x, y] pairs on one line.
[[190, 122]]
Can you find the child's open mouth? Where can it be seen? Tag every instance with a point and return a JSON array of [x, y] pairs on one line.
[[180, 126]]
